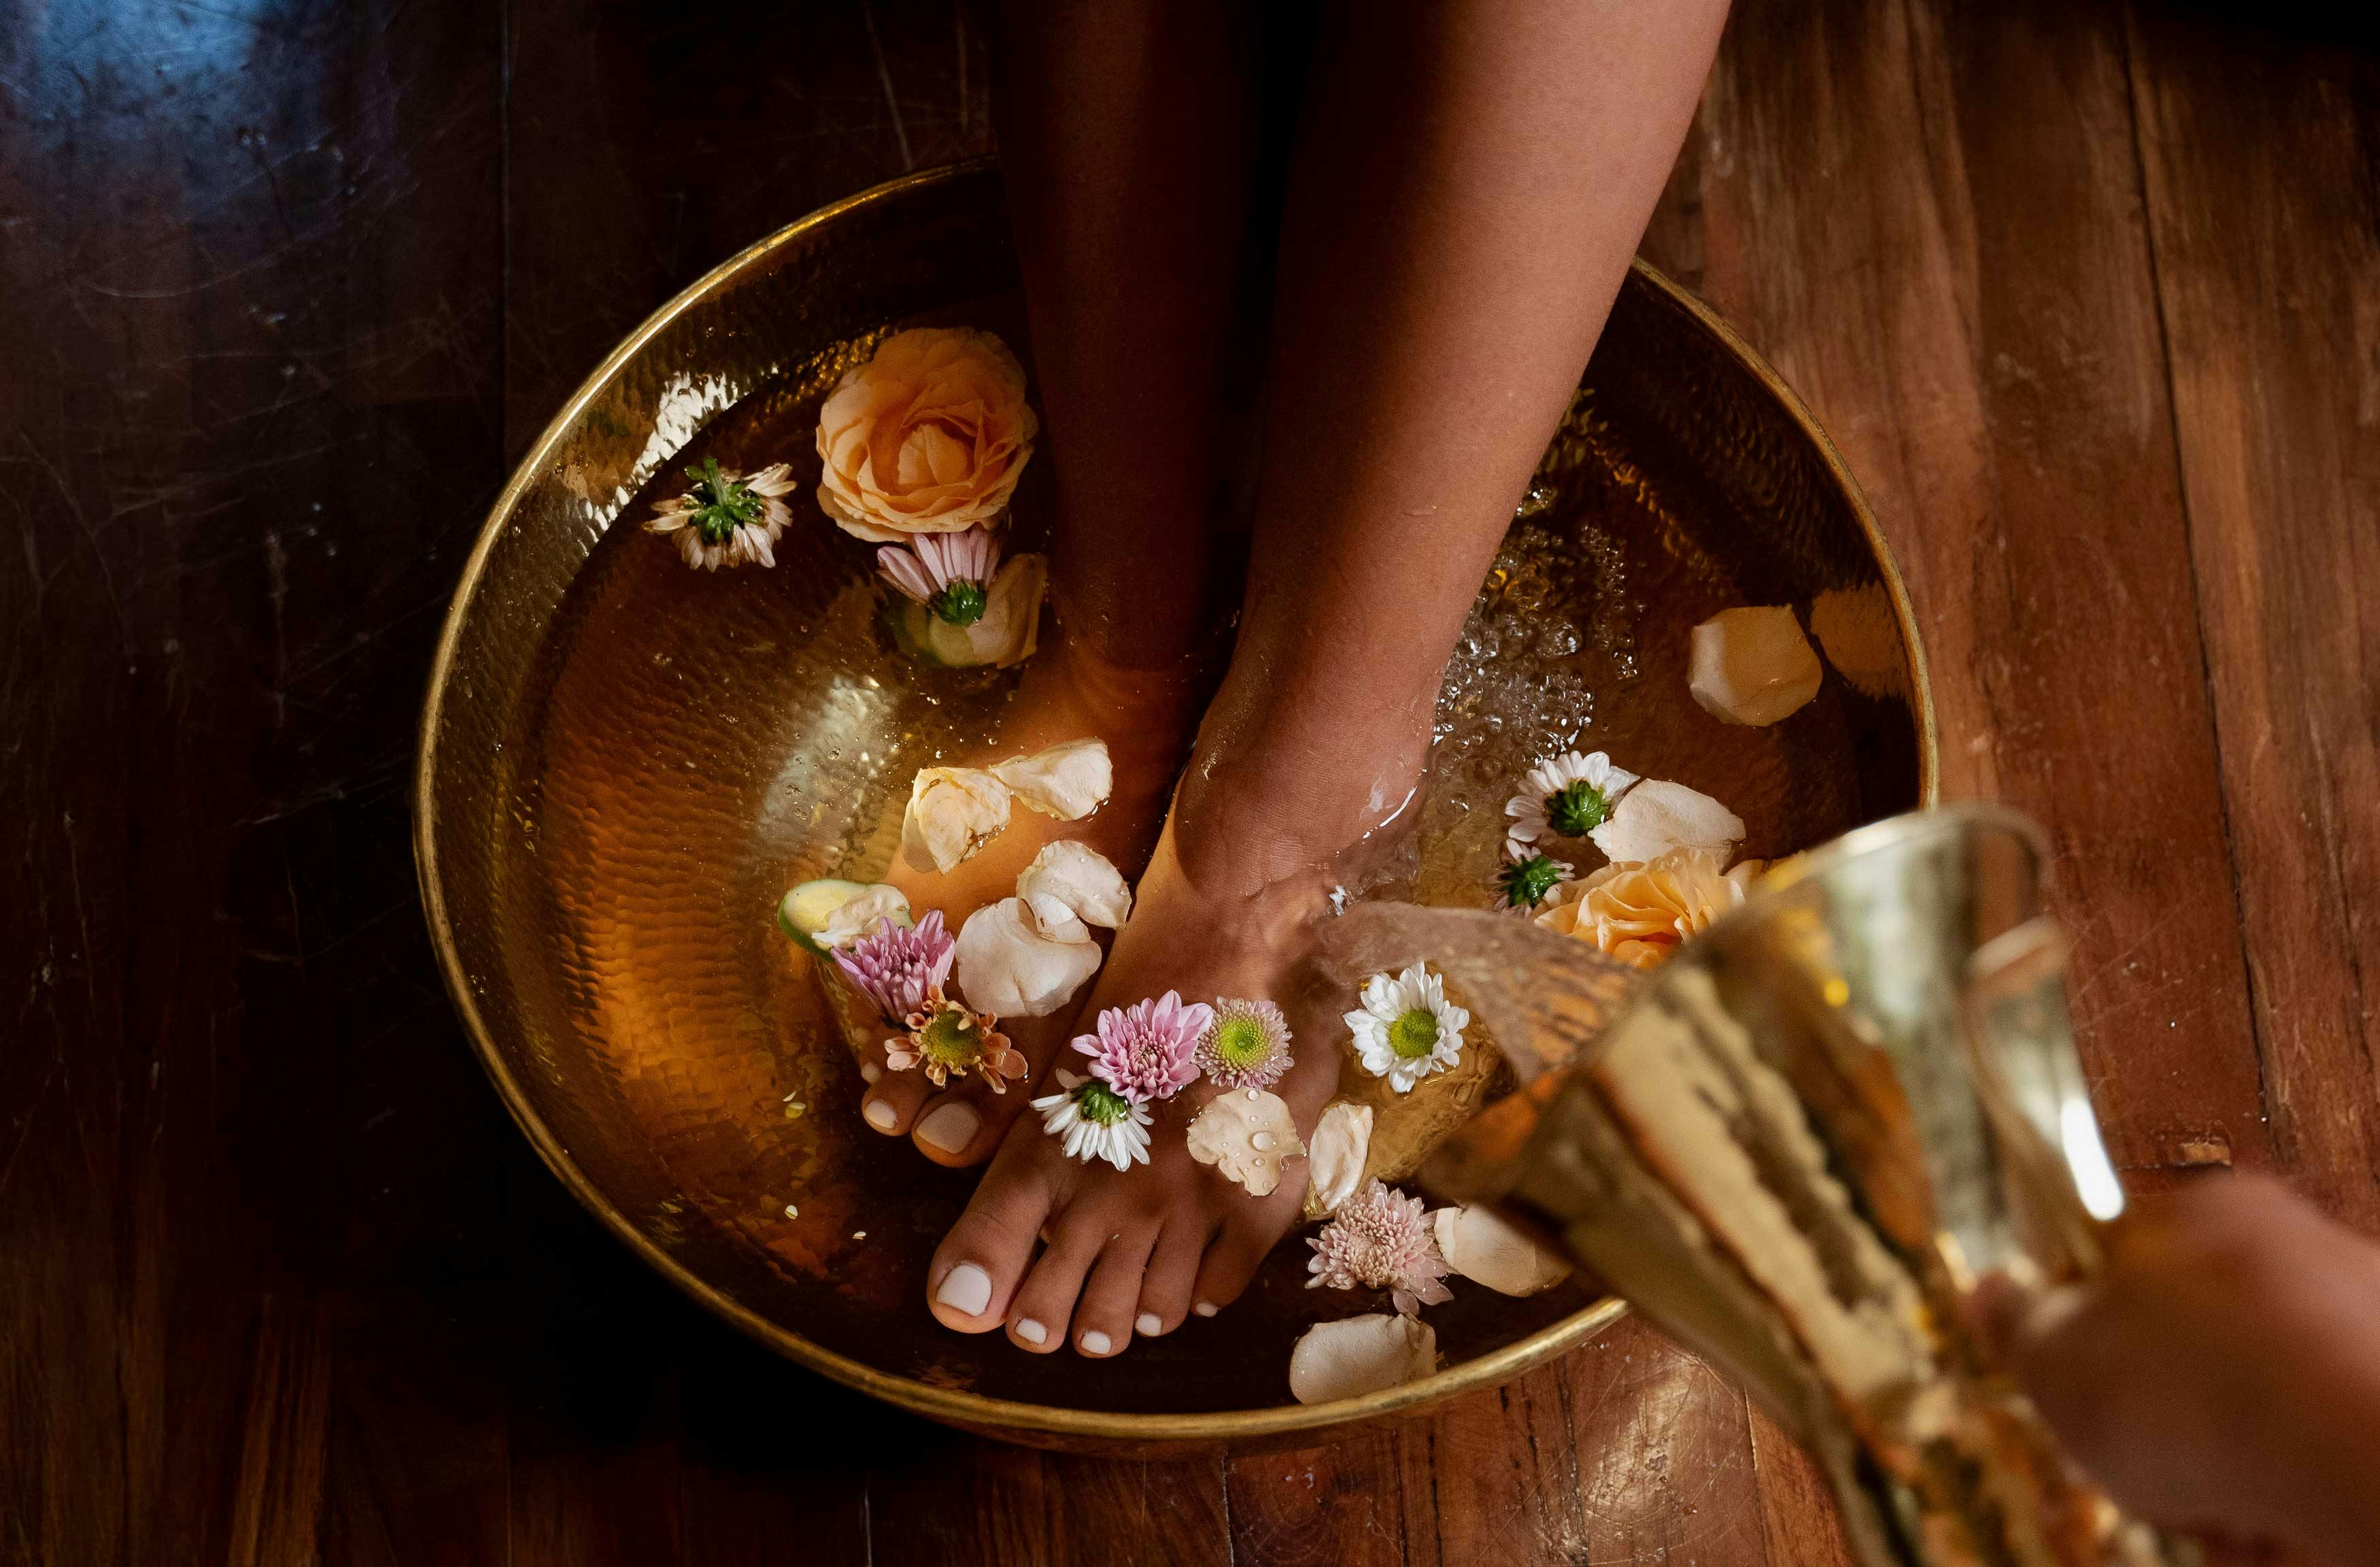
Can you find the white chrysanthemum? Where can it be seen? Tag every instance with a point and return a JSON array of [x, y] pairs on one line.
[[726, 519], [1564, 796], [1406, 1028], [1095, 1122]]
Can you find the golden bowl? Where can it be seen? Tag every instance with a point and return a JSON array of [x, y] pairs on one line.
[[623, 762]]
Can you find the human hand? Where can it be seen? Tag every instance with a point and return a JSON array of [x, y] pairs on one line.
[[2222, 1375]]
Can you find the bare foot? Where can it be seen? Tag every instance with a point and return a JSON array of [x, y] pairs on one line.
[[1065, 694], [1135, 1251]]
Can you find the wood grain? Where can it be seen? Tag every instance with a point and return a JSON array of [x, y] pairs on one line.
[[2089, 297]]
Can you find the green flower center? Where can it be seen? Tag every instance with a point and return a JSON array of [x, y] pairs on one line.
[[1242, 1043], [1577, 810], [961, 603], [720, 504], [1527, 882], [949, 1038], [1414, 1035], [1100, 1105]]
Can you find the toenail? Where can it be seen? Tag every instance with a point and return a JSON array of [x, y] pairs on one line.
[[881, 1115], [869, 1072], [1096, 1342], [1032, 1332], [1203, 1309], [1149, 1324], [952, 1127], [966, 1290]]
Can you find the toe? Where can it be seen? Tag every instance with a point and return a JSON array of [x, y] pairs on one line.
[[976, 1269], [1231, 1262], [965, 1125], [1172, 1268], [889, 1105], [1103, 1322], [1045, 1302]]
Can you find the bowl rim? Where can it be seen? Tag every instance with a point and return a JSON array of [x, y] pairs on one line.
[[1007, 1417]]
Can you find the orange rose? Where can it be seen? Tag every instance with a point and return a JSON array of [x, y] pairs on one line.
[[1640, 913], [930, 436]]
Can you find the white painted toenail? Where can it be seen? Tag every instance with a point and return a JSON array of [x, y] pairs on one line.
[[1149, 1324], [952, 1127], [1032, 1332], [1096, 1342], [966, 1290], [869, 1072], [879, 1115], [1203, 1309]]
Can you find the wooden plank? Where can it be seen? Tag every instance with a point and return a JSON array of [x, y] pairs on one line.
[[2260, 163], [1972, 319], [1335, 1506], [1797, 1512]]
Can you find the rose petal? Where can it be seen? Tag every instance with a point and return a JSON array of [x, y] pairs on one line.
[[1343, 1140], [1010, 969], [1482, 1247], [853, 918], [1068, 781], [1752, 665], [953, 812], [1071, 882], [1246, 1134], [1360, 1354], [1656, 816]]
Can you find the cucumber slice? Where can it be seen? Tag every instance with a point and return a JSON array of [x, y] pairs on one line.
[[803, 913]]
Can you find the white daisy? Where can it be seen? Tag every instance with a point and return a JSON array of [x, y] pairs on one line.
[[1407, 1029], [1564, 796], [1527, 877], [1096, 1121], [726, 518]]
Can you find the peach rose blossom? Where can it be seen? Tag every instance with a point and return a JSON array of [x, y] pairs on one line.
[[930, 436], [1640, 913]]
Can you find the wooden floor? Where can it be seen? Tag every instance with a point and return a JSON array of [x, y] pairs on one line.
[[2089, 297]]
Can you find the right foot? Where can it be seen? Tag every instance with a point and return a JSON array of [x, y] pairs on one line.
[[1067, 693]]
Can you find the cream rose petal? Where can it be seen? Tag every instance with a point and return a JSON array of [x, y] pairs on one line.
[[1006, 966], [1068, 781], [1483, 1249], [1657, 816], [953, 812], [1246, 1134], [1070, 884], [1343, 1140], [1006, 632], [1752, 665], [852, 920], [1360, 1354]]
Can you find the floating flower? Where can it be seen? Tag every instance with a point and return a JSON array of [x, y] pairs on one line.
[[1658, 816], [1640, 913], [953, 812], [1334, 1159], [1148, 1051], [1406, 1028], [900, 967], [1096, 1121], [1069, 780], [1246, 1046], [928, 436], [1753, 665], [1527, 877], [949, 573], [1381, 1240], [948, 1038], [1246, 1134], [1004, 635], [727, 519], [1569, 796]]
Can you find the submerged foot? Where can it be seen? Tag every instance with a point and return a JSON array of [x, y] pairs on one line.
[[1065, 694]]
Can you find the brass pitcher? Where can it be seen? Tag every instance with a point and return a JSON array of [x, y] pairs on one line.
[[1798, 1144]]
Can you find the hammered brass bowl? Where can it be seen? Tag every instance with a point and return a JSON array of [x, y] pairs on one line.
[[623, 762]]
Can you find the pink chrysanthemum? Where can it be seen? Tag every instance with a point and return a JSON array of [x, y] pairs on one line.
[[898, 966], [1149, 1051], [949, 573], [1246, 1046], [1380, 1239]]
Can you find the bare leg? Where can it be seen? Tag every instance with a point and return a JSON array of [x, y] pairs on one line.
[[1125, 141], [1472, 180]]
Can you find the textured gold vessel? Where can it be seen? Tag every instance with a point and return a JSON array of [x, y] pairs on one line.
[[623, 762]]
